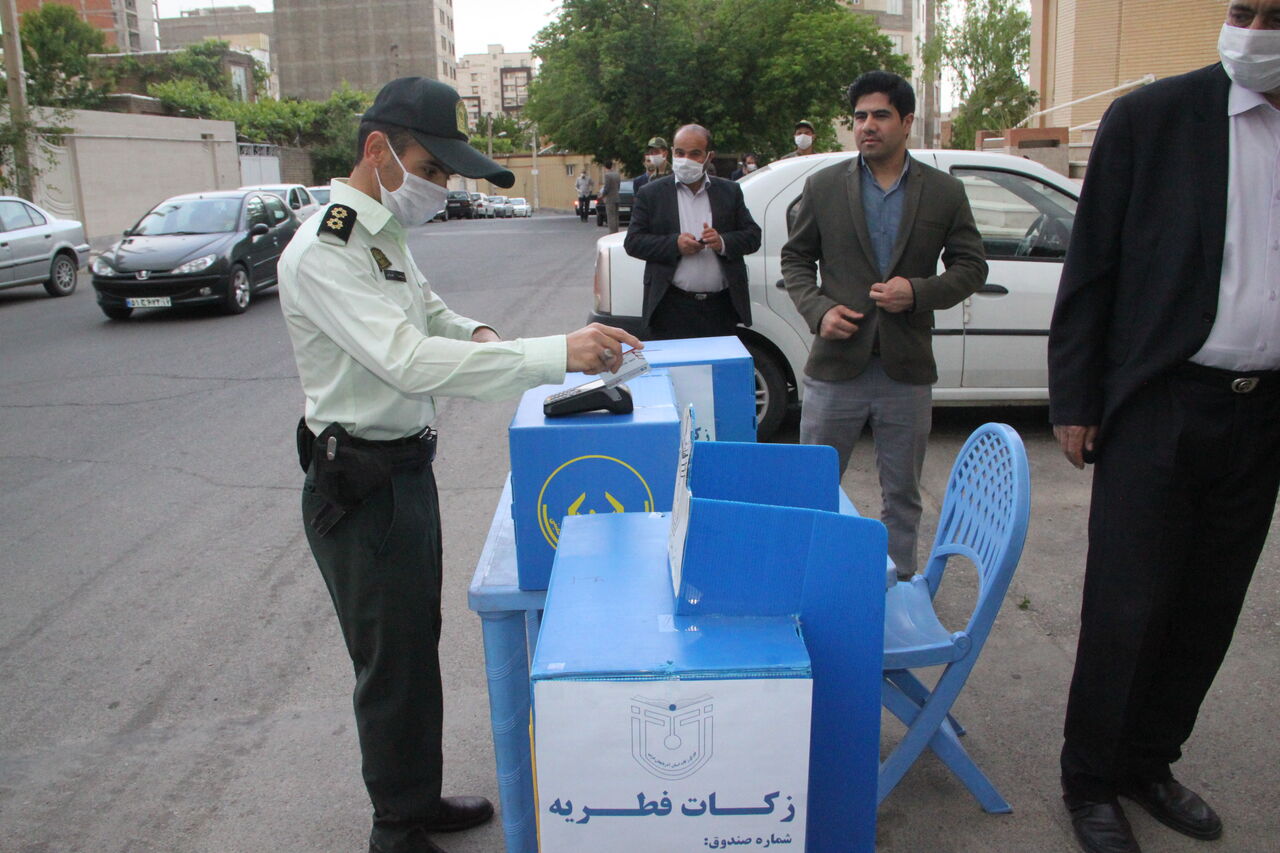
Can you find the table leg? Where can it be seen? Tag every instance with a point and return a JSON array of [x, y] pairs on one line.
[[507, 669]]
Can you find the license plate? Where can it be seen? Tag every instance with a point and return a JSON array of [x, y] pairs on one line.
[[149, 302]]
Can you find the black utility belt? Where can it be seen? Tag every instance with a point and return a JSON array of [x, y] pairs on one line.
[[699, 295], [349, 469]]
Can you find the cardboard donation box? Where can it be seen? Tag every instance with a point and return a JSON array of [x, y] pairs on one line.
[[588, 464], [655, 733], [717, 377]]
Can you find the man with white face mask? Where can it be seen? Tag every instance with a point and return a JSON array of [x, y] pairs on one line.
[[804, 137], [655, 163], [373, 346], [1164, 371], [692, 230]]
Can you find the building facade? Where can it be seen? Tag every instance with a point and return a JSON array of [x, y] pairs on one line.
[[216, 22], [319, 45], [1080, 48], [494, 82], [129, 25], [908, 24]]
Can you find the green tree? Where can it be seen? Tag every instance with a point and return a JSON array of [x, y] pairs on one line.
[[509, 134], [986, 54], [616, 72], [56, 45]]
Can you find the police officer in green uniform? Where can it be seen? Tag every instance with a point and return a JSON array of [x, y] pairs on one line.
[[373, 346]]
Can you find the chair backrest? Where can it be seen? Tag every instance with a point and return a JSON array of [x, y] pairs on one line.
[[984, 518]]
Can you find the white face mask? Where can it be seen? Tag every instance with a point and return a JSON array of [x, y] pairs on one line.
[[750, 167], [687, 171], [1251, 57], [655, 161], [417, 201], [803, 141]]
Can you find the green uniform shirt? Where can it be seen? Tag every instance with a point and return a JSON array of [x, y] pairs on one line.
[[373, 343]]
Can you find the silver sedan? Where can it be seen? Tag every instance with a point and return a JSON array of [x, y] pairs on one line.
[[37, 247]]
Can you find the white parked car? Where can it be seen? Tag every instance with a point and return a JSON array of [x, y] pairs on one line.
[[521, 207], [990, 348], [295, 196], [37, 247]]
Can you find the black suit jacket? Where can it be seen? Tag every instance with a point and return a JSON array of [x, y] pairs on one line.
[[655, 225], [1139, 289]]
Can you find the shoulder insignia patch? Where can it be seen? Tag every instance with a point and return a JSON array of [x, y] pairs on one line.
[[338, 220], [380, 258]]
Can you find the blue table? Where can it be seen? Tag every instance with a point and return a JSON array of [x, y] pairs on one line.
[[510, 618]]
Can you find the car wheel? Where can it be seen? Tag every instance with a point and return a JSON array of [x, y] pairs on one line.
[[62, 276], [771, 392], [239, 291], [116, 312]]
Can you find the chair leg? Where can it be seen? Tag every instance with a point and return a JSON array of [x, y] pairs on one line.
[[924, 722], [918, 693], [948, 748]]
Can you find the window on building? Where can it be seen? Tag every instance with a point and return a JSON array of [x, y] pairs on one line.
[[893, 7], [569, 169]]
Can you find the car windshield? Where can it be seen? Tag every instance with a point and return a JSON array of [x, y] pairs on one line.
[[190, 216], [320, 194], [496, 199], [518, 201], [458, 195]]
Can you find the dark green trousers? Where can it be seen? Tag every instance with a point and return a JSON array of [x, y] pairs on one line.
[[381, 563]]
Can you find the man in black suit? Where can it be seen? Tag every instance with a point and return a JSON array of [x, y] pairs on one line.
[[692, 230], [1164, 371]]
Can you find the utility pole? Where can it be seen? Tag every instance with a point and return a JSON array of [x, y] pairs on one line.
[[535, 166], [17, 98]]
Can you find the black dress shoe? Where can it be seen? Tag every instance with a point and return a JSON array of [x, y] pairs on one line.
[[458, 813], [1177, 807], [1101, 826]]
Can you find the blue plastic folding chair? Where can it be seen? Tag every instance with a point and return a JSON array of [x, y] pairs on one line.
[[984, 519]]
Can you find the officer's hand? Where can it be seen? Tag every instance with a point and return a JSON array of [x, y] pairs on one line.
[[711, 238], [838, 323], [597, 348], [688, 244], [1075, 441], [895, 295], [485, 335]]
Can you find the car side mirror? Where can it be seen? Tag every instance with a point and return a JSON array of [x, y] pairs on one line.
[[128, 232], [258, 229]]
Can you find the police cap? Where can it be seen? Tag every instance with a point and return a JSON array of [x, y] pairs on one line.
[[804, 122], [432, 112], [657, 142]]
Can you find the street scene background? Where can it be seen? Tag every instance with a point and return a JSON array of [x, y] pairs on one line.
[[172, 677]]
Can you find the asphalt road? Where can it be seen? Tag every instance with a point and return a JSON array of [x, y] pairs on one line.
[[171, 674]]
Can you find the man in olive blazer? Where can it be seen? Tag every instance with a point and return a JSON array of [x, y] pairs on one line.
[[876, 226]]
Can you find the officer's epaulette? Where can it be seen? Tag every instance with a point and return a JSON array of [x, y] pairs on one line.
[[338, 220]]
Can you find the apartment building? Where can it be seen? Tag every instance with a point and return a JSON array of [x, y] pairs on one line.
[[193, 26], [320, 44], [908, 24], [494, 82], [129, 25]]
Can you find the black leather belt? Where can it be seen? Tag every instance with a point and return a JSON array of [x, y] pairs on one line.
[[1235, 382], [698, 296], [408, 452]]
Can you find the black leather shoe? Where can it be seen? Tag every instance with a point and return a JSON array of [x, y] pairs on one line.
[[1177, 807], [1101, 826], [458, 813]]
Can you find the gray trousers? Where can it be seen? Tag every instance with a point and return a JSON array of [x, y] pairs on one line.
[[901, 416], [611, 214]]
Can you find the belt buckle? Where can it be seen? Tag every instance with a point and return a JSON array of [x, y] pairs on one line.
[[700, 296], [1244, 384]]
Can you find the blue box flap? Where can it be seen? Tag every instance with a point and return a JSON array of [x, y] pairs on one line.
[[611, 613]]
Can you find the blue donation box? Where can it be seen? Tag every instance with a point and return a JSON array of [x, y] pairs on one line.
[[710, 678], [588, 464], [654, 732]]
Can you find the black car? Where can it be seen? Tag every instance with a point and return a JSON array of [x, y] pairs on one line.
[[626, 196], [457, 205], [215, 247]]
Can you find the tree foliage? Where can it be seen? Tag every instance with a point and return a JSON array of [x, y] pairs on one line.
[[56, 45], [616, 72], [986, 54], [511, 135]]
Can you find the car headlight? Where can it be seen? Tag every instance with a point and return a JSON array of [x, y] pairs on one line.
[[197, 265], [100, 266]]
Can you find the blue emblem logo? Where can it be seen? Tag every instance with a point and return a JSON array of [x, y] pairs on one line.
[[588, 485], [672, 740]]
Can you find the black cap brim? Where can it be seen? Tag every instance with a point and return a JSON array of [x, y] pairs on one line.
[[461, 158]]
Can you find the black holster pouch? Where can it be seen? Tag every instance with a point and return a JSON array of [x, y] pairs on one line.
[[346, 472], [306, 440]]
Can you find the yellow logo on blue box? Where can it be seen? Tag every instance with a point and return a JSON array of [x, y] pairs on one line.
[[615, 487]]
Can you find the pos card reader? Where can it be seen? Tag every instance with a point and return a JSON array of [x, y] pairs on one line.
[[588, 398], [607, 392]]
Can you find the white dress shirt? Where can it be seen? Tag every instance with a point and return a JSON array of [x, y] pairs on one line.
[[1246, 332], [701, 272]]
